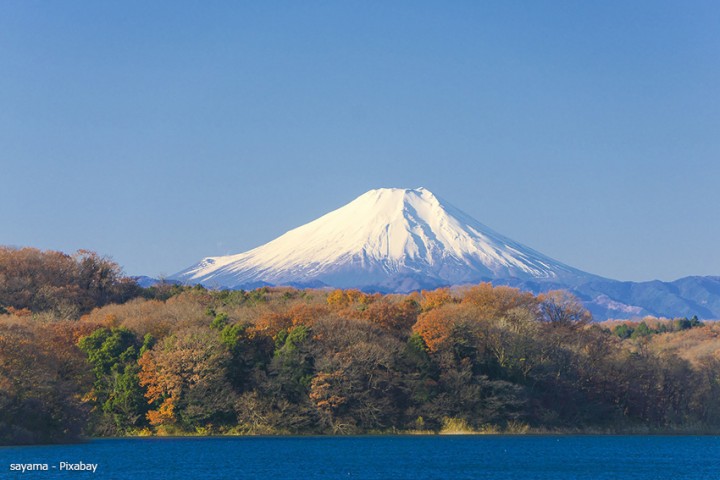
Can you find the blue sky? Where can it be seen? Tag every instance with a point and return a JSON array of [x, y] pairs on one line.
[[161, 132]]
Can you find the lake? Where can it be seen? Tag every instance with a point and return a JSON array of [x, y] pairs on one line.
[[377, 457]]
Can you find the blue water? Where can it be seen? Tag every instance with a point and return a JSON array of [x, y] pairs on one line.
[[386, 457]]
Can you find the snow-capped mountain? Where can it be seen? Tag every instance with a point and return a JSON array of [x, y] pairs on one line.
[[387, 239], [399, 240]]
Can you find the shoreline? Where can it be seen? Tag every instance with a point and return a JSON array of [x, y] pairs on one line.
[[539, 433]]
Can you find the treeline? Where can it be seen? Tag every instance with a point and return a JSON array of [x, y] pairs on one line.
[[644, 328], [34, 281], [177, 360]]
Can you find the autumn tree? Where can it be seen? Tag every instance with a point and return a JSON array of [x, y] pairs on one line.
[[495, 302], [357, 383], [436, 325], [185, 376], [560, 307], [435, 298], [39, 396], [395, 317], [68, 285]]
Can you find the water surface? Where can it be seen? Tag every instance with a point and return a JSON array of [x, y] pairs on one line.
[[383, 457]]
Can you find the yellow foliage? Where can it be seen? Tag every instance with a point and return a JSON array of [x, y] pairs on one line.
[[455, 426]]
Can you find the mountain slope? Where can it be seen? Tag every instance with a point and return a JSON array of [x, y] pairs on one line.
[[387, 239], [684, 297]]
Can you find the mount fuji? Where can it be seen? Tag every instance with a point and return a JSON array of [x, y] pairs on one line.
[[389, 239], [400, 240]]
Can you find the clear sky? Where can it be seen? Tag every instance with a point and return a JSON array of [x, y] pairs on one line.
[[161, 132]]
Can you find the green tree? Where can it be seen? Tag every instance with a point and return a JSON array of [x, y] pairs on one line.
[[113, 355], [623, 331], [642, 330], [292, 363]]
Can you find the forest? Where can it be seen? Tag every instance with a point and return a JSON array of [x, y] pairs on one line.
[[86, 352]]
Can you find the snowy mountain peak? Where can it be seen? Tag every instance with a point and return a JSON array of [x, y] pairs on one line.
[[388, 239]]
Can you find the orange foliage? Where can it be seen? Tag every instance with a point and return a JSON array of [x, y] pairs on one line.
[[149, 377], [436, 298], [161, 385], [164, 414], [271, 323], [302, 314], [434, 328], [397, 317], [111, 320], [336, 298], [19, 312], [322, 391], [342, 298]]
